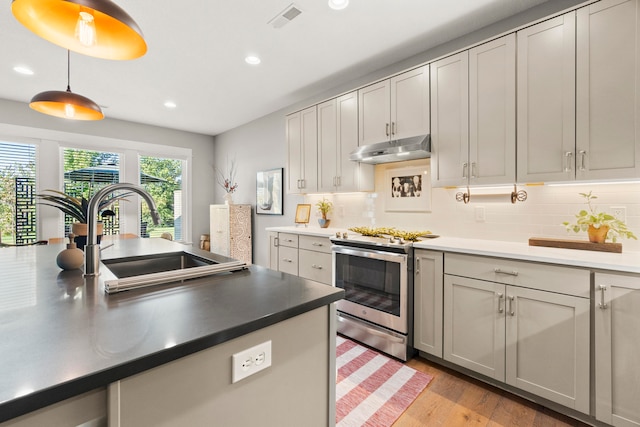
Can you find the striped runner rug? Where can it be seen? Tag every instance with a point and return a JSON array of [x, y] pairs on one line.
[[372, 389]]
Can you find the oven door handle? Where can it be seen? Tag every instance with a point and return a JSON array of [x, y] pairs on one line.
[[375, 332], [365, 253]]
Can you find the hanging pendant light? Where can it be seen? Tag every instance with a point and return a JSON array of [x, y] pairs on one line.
[[66, 104], [97, 28]]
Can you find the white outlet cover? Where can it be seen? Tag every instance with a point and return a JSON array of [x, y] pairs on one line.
[[620, 212], [250, 361]]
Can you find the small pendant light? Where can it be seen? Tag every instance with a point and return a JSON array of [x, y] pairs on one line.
[[66, 104], [97, 28]]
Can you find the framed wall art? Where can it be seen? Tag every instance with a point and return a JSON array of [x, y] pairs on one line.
[[407, 190], [269, 192], [303, 212]]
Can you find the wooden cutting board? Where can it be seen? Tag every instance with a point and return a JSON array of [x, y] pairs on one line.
[[576, 244]]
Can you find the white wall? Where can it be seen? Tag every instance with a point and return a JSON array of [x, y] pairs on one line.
[[17, 120], [257, 146]]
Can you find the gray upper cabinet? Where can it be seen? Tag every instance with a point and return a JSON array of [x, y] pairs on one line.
[[578, 95], [473, 115], [337, 138], [492, 112], [546, 100], [395, 108], [302, 151], [608, 90], [450, 120]]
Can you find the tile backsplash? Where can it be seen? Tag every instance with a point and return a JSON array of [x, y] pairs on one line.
[[541, 215]]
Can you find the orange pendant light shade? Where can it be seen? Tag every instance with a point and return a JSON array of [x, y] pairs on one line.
[[66, 105], [97, 28]]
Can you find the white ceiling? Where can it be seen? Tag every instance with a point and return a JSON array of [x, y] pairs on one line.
[[197, 49]]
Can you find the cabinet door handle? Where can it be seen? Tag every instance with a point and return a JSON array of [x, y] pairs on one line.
[[568, 167], [288, 240], [387, 129], [474, 168], [339, 181], [583, 155], [287, 260], [276, 242], [602, 304], [317, 267], [417, 265], [464, 169], [500, 299], [509, 273], [393, 128], [304, 183], [316, 244], [511, 302]]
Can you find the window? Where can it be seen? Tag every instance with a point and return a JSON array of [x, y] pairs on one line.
[[86, 172], [17, 193], [162, 178]]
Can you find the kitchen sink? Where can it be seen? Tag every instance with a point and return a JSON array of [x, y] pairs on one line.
[[147, 270]]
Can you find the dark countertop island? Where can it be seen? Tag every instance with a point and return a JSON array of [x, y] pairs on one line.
[[62, 335]]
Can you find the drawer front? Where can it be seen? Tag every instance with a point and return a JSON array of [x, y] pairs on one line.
[[315, 266], [288, 239], [318, 244], [288, 260], [552, 278]]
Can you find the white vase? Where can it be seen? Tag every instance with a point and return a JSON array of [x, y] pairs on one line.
[[228, 199]]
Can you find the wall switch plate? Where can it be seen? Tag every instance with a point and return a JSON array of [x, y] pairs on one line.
[[620, 212], [479, 212], [250, 361]]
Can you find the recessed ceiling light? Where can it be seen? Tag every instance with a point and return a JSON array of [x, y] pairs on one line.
[[23, 70], [338, 4], [170, 104], [252, 60]]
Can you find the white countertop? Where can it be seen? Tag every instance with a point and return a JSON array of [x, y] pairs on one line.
[[628, 262], [309, 231], [625, 262]]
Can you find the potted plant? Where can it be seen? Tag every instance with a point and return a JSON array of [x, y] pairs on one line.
[[599, 226], [77, 208], [324, 207]]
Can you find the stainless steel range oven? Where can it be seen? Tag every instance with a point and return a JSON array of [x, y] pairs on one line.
[[377, 276]]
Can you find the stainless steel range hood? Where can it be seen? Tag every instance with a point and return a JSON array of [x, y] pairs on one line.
[[417, 147]]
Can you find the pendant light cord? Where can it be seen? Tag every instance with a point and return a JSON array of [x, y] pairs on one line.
[[68, 71]]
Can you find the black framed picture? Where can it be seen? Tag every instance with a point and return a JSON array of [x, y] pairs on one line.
[[269, 192]]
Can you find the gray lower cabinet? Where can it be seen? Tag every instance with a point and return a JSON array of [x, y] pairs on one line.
[[314, 258], [301, 255], [617, 346], [288, 253], [427, 325], [521, 323]]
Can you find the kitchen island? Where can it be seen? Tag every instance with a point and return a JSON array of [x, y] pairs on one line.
[[65, 341]]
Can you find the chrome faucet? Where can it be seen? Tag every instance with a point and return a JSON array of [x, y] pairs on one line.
[[92, 249]]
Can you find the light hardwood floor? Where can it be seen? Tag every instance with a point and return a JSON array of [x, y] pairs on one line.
[[452, 399]]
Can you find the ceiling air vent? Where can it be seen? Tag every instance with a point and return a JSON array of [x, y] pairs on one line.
[[284, 17]]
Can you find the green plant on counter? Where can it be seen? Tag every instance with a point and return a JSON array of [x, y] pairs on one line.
[[593, 221], [75, 207], [324, 207]]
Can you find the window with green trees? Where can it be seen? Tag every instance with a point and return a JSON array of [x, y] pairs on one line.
[[86, 172], [162, 178]]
